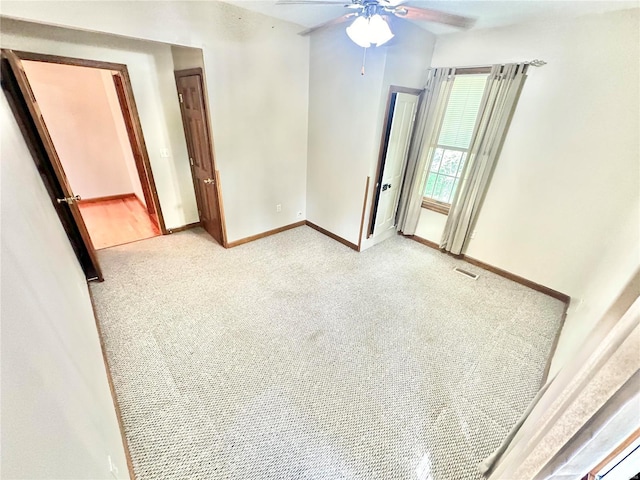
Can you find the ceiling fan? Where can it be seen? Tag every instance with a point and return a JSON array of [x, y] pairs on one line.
[[370, 18]]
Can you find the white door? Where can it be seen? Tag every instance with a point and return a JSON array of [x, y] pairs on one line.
[[404, 114]]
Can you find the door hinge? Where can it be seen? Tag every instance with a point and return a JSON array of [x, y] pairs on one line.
[[191, 160], [199, 214], [180, 97]]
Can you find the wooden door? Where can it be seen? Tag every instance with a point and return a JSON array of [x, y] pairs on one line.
[[199, 145], [29, 117], [392, 175]]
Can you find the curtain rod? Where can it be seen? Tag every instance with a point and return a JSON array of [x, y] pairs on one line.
[[483, 69], [534, 63]]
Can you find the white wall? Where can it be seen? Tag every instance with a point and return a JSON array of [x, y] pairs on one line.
[[151, 70], [567, 184], [408, 58], [346, 113], [258, 84], [186, 57], [75, 107], [58, 419], [614, 268], [343, 111], [121, 133], [431, 225]]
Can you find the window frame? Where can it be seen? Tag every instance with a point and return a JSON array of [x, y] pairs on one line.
[[430, 203], [435, 205]]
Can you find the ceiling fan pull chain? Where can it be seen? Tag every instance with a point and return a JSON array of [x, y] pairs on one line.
[[364, 59]]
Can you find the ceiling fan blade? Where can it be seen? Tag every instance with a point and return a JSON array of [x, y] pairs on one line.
[[335, 21], [311, 2], [427, 15]]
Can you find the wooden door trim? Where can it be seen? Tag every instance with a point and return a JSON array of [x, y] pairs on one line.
[[364, 212], [189, 72], [142, 146], [46, 159], [382, 153], [614, 453], [121, 94], [223, 221], [130, 114], [78, 62]]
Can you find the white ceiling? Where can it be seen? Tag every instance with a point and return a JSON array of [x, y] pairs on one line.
[[488, 13]]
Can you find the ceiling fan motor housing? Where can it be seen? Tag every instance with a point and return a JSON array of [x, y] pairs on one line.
[[370, 8]]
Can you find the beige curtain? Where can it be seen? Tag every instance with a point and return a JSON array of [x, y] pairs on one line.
[[500, 97], [426, 130]]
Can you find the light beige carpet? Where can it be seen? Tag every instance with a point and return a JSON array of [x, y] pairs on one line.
[[294, 357]]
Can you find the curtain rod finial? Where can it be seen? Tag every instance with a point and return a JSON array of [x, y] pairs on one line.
[[537, 63]]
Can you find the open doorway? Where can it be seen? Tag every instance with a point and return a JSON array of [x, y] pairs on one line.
[[30, 119], [86, 113]]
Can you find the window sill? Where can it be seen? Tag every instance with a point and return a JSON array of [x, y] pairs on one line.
[[439, 207]]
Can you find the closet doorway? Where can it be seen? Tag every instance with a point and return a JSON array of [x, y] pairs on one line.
[[402, 105]]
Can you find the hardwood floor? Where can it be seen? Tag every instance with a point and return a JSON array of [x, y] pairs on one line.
[[114, 222]]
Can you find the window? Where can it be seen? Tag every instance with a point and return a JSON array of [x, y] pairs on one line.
[[447, 162]]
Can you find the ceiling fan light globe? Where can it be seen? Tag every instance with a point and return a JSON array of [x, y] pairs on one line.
[[379, 31], [358, 32]]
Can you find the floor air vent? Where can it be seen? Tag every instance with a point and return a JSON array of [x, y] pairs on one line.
[[466, 274]]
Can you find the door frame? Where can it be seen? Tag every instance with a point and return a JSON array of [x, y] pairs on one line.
[[199, 72], [131, 120], [148, 194], [384, 144], [27, 114]]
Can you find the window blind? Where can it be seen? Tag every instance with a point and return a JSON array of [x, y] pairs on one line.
[[462, 111]]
